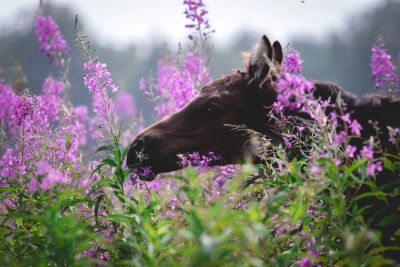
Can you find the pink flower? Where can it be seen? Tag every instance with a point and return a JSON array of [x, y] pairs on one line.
[[393, 134], [333, 116], [293, 91], [382, 68], [350, 150], [33, 185], [98, 81], [125, 105], [140, 172], [52, 177], [196, 12], [49, 37], [315, 169], [355, 127], [52, 97], [346, 118], [339, 138], [292, 63], [7, 97], [307, 261], [98, 77], [175, 88], [368, 152], [287, 143], [374, 167]]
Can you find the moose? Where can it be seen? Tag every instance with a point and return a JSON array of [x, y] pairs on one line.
[[243, 98]]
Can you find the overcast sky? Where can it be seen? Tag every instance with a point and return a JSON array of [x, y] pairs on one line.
[[120, 22]]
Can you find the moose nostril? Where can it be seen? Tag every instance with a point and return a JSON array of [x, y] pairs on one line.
[[138, 146]]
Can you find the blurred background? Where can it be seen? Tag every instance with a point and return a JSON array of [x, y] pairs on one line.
[[333, 37]]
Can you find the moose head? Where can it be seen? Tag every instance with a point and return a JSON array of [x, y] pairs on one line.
[[210, 121]]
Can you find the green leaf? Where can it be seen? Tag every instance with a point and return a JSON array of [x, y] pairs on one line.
[[117, 155], [97, 205], [378, 194], [67, 141], [109, 162], [393, 219], [104, 148]]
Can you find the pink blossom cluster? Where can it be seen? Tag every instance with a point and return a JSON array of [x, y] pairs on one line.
[[352, 124], [49, 37], [47, 139], [204, 163], [382, 68], [98, 81], [196, 13], [292, 63], [177, 86], [52, 89], [7, 97], [141, 173], [293, 91]]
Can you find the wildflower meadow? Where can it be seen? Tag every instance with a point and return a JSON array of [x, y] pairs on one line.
[[67, 197]]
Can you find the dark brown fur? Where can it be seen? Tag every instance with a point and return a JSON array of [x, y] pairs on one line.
[[243, 98]]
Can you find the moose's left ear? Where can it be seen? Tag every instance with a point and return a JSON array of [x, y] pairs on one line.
[[260, 62]]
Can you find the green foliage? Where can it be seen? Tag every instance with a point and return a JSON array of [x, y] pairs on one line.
[[272, 222]]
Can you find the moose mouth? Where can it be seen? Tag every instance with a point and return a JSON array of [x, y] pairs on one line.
[[147, 168]]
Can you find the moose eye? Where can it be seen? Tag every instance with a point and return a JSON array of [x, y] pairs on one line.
[[213, 111]]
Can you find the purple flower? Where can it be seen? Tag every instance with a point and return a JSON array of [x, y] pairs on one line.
[[10, 165], [278, 108], [98, 81], [42, 167], [196, 12], [355, 127], [346, 118], [98, 78], [125, 105], [339, 138], [382, 68], [293, 91], [98, 253], [141, 172], [22, 108], [308, 262], [292, 63], [333, 116], [174, 87], [9, 204], [51, 96], [195, 66], [7, 97], [393, 134], [287, 143], [33, 185], [173, 201], [350, 150], [52, 177], [49, 37], [316, 170], [374, 167], [368, 152], [196, 159], [314, 253]]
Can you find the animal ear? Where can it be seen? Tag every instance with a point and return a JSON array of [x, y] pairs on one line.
[[260, 62], [277, 52]]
